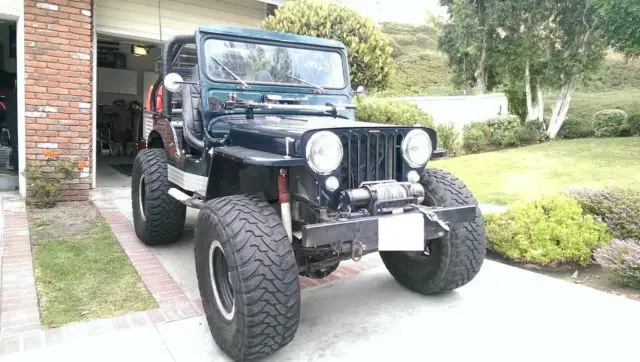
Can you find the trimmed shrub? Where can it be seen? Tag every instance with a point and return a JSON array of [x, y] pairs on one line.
[[475, 137], [369, 50], [533, 132], [447, 137], [505, 131], [617, 207], [622, 257], [573, 128], [386, 111], [609, 122], [549, 232], [633, 123]]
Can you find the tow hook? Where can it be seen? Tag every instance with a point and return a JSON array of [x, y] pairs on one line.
[[356, 250]]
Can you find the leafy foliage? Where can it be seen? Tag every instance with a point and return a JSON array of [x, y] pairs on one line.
[[609, 122], [633, 123], [380, 110], [622, 257], [45, 179], [620, 22], [475, 137], [574, 128], [550, 232], [368, 48], [505, 131], [614, 74], [447, 137], [619, 208], [533, 132]]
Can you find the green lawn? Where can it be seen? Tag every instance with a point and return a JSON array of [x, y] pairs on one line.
[[527, 172], [585, 105], [86, 277]]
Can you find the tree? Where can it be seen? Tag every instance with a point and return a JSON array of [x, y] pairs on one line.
[[620, 24], [368, 48], [467, 38]]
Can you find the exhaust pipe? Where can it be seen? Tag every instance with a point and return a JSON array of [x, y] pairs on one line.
[[285, 206]]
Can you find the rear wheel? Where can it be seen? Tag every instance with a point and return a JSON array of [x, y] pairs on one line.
[[247, 276], [449, 262], [158, 218]]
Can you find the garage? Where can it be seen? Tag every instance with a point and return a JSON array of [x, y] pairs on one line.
[[128, 45]]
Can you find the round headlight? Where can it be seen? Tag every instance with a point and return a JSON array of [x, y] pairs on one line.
[[324, 152], [417, 148]]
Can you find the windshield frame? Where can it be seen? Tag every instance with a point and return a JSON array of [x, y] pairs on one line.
[[204, 61]]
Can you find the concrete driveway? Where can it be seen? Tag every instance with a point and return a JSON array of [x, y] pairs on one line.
[[505, 314]]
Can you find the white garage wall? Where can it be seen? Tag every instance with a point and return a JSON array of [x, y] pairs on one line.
[[138, 19], [10, 8]]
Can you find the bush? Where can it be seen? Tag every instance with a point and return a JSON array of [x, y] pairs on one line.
[[633, 123], [549, 232], [533, 132], [391, 112], [505, 131], [447, 137], [617, 207], [45, 178], [368, 48], [609, 122], [573, 128], [475, 137], [622, 257]]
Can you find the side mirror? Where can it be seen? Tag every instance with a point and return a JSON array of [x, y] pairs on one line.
[[173, 82], [360, 91]]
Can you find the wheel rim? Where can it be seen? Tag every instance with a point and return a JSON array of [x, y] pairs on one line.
[[141, 196], [221, 281]]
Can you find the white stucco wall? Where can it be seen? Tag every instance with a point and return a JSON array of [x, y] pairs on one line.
[[462, 110]]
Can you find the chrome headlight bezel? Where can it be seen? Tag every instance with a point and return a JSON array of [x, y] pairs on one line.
[[417, 135], [329, 140]]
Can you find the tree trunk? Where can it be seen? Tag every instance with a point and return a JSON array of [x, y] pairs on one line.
[[480, 74], [560, 111], [527, 91], [540, 102]]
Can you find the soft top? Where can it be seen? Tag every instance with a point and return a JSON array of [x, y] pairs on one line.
[[271, 35]]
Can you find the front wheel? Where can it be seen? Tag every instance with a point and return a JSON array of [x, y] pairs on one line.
[[247, 276], [449, 262]]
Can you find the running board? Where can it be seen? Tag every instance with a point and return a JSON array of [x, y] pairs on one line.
[[186, 199]]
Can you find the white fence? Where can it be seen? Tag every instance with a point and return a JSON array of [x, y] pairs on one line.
[[462, 110]]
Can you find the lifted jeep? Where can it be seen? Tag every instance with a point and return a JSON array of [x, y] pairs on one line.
[[257, 130]]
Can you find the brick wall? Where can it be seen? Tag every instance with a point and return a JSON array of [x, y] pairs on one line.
[[58, 85]]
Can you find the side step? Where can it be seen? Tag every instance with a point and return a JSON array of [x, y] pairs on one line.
[[186, 199]]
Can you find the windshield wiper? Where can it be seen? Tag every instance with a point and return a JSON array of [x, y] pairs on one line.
[[307, 83], [234, 75]]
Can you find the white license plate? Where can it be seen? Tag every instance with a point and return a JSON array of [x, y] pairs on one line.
[[404, 232]]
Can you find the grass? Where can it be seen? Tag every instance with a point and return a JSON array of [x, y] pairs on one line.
[[528, 172], [86, 277], [585, 105]]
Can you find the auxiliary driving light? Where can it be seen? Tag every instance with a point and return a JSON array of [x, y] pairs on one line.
[[332, 183]]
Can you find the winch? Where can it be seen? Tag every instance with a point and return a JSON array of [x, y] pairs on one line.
[[383, 196]]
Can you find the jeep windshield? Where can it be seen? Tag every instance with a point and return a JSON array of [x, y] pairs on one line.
[[273, 64]]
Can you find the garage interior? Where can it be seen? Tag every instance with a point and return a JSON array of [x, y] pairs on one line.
[[125, 70], [8, 108]]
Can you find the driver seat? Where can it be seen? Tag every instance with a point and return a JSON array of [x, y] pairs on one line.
[[192, 111]]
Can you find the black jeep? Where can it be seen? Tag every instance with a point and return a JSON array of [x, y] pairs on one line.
[[256, 129]]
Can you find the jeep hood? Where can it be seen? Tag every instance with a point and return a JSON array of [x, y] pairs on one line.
[[268, 133]]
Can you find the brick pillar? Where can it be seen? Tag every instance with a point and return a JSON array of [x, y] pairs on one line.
[[58, 85]]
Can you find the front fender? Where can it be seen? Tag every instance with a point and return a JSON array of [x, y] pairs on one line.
[[248, 156]]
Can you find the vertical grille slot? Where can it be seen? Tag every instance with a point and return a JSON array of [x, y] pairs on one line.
[[370, 156]]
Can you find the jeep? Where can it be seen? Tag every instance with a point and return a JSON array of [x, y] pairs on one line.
[[257, 130]]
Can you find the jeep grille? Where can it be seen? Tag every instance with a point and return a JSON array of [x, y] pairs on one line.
[[370, 156]]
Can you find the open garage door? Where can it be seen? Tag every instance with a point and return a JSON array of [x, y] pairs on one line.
[[139, 19]]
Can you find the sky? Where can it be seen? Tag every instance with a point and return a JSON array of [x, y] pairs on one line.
[[404, 11]]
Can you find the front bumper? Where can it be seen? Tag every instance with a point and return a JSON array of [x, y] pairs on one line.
[[367, 230]]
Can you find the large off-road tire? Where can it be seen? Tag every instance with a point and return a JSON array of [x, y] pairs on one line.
[[247, 276], [454, 260], [158, 218]]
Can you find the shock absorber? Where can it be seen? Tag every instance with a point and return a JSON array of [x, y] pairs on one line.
[[283, 199]]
